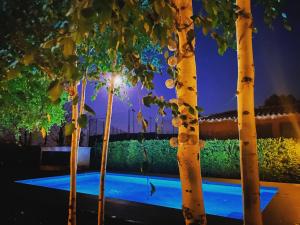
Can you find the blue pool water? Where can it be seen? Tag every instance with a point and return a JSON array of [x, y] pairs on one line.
[[221, 199]]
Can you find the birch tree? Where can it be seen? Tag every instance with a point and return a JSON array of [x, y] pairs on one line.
[[188, 155], [246, 116], [237, 18]]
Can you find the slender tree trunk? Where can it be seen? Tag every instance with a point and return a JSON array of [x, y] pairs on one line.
[[188, 154], [46, 139], [73, 161], [101, 198], [246, 116], [81, 106]]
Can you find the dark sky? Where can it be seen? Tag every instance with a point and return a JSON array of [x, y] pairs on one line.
[[276, 58]]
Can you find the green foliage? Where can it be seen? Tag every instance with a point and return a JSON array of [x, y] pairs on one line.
[[69, 128], [89, 110], [114, 37], [134, 62], [82, 121], [129, 155], [26, 25], [25, 103], [69, 40], [221, 158], [76, 39], [55, 90], [273, 10], [279, 159]]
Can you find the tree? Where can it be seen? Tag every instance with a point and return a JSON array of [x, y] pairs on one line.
[[101, 199], [188, 154], [24, 27], [59, 60], [239, 16], [280, 101], [245, 99], [221, 19], [246, 116], [124, 44], [25, 104], [43, 39], [117, 66]]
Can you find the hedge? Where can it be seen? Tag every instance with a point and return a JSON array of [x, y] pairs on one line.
[[279, 159]]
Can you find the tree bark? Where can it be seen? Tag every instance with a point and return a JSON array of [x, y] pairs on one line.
[[188, 154], [73, 161], [101, 198], [81, 106], [246, 116], [45, 139]]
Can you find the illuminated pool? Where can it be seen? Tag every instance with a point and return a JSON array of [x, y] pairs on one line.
[[221, 199]]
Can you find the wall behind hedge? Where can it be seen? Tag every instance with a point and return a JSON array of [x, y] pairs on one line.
[[279, 159]]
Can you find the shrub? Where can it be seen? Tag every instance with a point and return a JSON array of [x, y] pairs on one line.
[[220, 158], [279, 159]]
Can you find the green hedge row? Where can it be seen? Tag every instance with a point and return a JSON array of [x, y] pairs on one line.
[[279, 159]]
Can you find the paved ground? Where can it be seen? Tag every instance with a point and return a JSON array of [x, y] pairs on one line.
[[29, 205], [284, 209]]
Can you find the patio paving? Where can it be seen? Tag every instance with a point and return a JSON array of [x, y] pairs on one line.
[[284, 209]]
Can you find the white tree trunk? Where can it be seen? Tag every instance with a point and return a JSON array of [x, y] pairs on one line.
[[246, 116], [188, 154], [101, 198]]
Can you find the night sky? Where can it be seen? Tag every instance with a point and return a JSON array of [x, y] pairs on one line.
[[276, 58]]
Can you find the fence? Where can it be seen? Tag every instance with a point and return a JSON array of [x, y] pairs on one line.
[[96, 126], [161, 127]]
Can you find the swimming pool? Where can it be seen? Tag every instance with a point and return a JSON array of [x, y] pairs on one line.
[[220, 199]]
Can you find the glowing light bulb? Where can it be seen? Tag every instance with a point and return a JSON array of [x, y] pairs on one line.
[[118, 81]]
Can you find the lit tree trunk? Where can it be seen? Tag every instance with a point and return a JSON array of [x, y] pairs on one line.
[[73, 160], [81, 106], [188, 137], [246, 116], [74, 151], [45, 139], [101, 198]]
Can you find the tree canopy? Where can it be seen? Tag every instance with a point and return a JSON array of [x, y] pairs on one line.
[[281, 100], [25, 104]]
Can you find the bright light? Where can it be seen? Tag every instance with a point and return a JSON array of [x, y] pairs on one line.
[[118, 81]]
